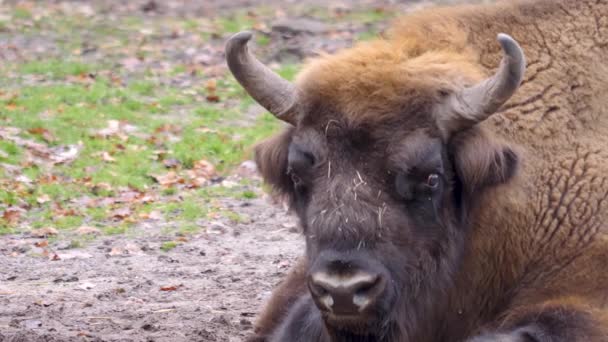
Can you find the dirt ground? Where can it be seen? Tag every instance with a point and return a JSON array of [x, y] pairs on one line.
[[125, 288]]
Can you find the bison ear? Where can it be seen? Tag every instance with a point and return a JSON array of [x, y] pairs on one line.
[[271, 160], [482, 162]]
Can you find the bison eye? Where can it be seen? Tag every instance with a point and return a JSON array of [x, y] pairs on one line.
[[297, 181], [299, 159], [432, 181]]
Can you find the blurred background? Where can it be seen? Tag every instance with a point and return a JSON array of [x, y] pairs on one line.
[[129, 206]]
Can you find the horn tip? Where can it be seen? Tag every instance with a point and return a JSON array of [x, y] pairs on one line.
[[511, 47], [241, 37], [503, 37], [238, 41]]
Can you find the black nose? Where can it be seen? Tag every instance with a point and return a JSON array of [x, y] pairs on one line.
[[345, 294]]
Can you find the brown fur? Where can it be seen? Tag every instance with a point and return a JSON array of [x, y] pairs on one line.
[[536, 255]]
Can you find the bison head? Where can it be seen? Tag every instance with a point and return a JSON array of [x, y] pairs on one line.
[[383, 162]]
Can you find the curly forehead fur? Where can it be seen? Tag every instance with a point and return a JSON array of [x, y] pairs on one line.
[[379, 78]]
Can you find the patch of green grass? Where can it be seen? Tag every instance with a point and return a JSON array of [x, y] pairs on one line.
[[367, 35], [189, 228], [22, 13], [168, 245], [115, 229], [235, 23], [233, 216], [75, 244], [188, 210], [145, 88], [4, 230], [191, 210], [248, 194], [369, 16], [75, 109], [8, 197], [68, 222], [262, 40], [12, 151], [96, 213], [56, 68], [288, 71]]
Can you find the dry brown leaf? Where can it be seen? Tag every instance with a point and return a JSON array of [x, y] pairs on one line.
[[211, 85], [44, 133], [213, 98], [47, 179], [121, 213], [12, 215], [204, 168], [41, 244], [170, 288], [153, 215], [44, 232], [169, 179], [83, 78], [86, 230]]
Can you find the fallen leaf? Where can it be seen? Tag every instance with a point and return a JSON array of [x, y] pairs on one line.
[[169, 179], [12, 215], [213, 98], [127, 249], [201, 173], [153, 215], [211, 85], [44, 232], [116, 128], [170, 288], [43, 133], [86, 230], [64, 154], [43, 199], [121, 213], [41, 244], [105, 156], [83, 78]]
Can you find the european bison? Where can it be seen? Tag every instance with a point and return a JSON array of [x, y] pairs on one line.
[[444, 193]]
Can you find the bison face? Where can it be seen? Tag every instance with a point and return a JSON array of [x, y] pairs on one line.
[[383, 199], [383, 211]]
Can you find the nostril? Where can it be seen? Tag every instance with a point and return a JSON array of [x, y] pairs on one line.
[[364, 287], [317, 287], [345, 294]]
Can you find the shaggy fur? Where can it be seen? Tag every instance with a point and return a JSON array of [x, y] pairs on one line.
[[533, 262]]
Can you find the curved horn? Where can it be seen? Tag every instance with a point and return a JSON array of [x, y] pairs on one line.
[[271, 91], [475, 104]]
